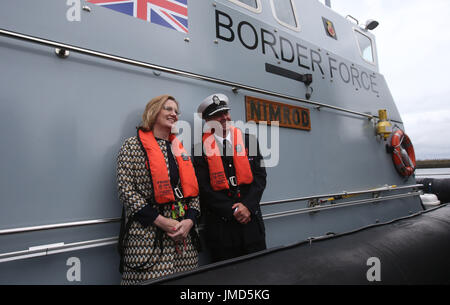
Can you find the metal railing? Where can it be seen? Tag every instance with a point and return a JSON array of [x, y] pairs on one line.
[[375, 190], [173, 71], [44, 250], [431, 174], [339, 205], [267, 203], [58, 226]]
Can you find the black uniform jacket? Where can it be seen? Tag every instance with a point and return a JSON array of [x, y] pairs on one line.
[[216, 205]]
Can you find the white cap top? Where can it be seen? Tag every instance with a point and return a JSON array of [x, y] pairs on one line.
[[212, 104]]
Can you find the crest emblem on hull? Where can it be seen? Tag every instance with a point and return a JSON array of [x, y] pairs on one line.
[[329, 28]]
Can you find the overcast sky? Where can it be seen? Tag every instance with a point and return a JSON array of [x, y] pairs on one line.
[[413, 43]]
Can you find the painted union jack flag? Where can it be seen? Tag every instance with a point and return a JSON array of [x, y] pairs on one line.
[[169, 13]]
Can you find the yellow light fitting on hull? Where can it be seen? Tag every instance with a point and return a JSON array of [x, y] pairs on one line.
[[384, 127]]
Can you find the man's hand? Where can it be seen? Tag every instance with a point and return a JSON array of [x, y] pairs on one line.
[[241, 214]]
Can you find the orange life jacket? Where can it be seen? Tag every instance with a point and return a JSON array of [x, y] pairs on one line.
[[162, 188], [217, 174]]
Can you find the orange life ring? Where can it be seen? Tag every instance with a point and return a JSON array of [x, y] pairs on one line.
[[403, 153]]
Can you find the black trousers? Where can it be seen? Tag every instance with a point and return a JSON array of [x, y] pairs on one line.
[[230, 239]]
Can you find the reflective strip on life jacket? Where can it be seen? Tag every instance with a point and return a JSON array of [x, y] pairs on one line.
[[218, 178], [162, 187]]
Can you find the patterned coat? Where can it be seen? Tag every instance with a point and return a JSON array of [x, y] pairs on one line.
[[134, 186]]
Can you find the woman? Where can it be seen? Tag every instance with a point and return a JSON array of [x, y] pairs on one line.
[[159, 190]]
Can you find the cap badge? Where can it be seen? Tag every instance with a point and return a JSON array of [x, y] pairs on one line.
[[216, 100]]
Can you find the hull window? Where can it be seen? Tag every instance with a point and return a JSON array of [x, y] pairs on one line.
[[252, 5], [285, 13], [365, 46]]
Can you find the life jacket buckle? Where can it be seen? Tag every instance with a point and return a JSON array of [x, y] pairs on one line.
[[178, 193], [233, 180]]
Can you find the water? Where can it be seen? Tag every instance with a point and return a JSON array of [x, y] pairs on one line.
[[433, 173]]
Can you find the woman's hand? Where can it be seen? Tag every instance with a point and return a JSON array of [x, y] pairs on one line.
[[181, 230], [166, 224]]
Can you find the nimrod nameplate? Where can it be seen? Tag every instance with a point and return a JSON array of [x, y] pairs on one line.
[[289, 116]]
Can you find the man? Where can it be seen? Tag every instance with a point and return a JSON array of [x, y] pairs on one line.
[[231, 181]]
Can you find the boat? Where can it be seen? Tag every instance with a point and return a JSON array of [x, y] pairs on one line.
[[305, 80]]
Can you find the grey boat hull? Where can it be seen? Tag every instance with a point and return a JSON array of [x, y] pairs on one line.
[[62, 122]]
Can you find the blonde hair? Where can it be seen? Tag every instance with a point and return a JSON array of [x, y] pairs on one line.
[[152, 110]]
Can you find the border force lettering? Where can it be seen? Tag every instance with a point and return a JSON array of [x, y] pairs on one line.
[[281, 48]]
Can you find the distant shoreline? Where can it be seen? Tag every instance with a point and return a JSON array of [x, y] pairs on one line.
[[441, 163]]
